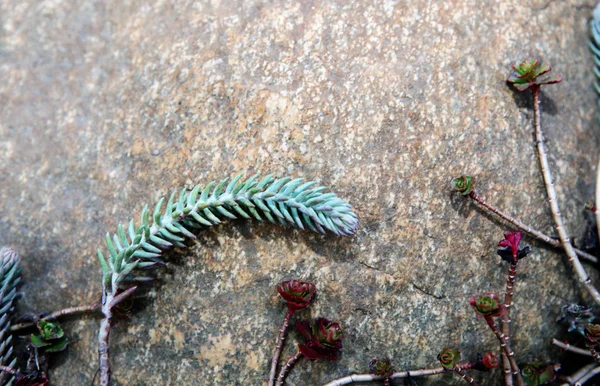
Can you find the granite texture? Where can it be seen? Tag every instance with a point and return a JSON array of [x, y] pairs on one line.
[[106, 107]]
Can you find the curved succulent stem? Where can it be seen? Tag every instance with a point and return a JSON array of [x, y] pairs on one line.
[[10, 276], [287, 367], [279, 347], [525, 228], [552, 199], [134, 250]]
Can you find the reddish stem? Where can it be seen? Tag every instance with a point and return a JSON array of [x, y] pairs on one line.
[[279, 347], [287, 367], [464, 375], [592, 348], [507, 350], [510, 285]]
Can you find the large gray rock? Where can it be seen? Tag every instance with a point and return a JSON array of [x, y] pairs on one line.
[[106, 108]]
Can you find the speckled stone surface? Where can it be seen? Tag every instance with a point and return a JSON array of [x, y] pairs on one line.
[[104, 108]]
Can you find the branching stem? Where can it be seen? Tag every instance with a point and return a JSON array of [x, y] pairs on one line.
[[560, 229], [279, 347], [464, 375], [527, 229], [507, 350]]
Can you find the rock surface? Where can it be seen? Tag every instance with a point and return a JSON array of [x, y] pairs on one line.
[[105, 108]]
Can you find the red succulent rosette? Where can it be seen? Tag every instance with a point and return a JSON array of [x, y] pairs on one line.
[[487, 306], [323, 339], [381, 367], [490, 360], [592, 332], [509, 250], [296, 293]]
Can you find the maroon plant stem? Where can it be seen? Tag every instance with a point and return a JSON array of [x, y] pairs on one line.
[[507, 350], [508, 295], [58, 314], [288, 365], [553, 201], [592, 348], [527, 229], [508, 379], [464, 375], [279, 347]]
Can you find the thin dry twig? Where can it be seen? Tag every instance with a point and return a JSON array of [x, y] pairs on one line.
[[552, 199], [397, 375], [568, 347], [579, 374], [581, 381], [58, 314]]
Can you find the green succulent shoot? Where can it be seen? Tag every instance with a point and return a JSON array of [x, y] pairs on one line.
[[535, 374], [487, 306], [51, 337], [531, 72], [449, 358], [463, 185]]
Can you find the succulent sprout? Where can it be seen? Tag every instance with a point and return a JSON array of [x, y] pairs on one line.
[[487, 306], [535, 374], [381, 367], [463, 185], [323, 339], [449, 358], [592, 332], [531, 72], [510, 248], [576, 317], [297, 294], [51, 337], [490, 360]]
